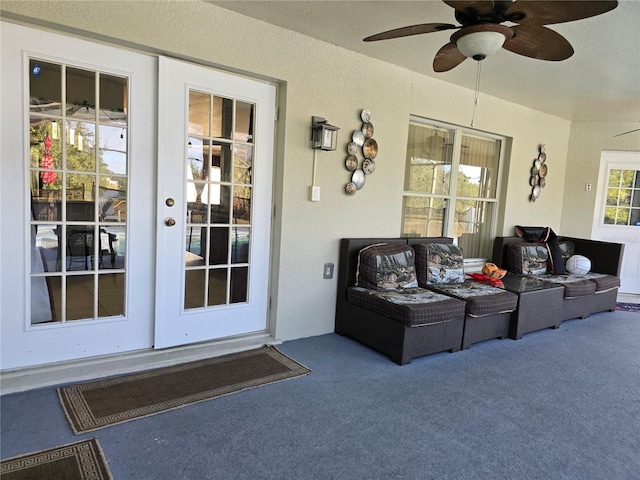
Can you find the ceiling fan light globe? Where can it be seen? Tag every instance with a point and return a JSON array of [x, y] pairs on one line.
[[479, 45]]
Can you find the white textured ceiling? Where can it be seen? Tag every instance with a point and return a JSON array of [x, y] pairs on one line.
[[600, 82]]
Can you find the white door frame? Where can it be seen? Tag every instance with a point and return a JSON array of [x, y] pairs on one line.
[[628, 235]]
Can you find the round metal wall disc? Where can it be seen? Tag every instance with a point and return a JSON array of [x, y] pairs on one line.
[[368, 166], [536, 192], [358, 138], [370, 148], [350, 188], [543, 170], [358, 178], [351, 163]]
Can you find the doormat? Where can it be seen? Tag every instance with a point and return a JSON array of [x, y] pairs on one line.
[[94, 405], [76, 461], [628, 307]]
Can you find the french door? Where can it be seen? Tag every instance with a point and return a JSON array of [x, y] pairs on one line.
[[215, 146], [90, 159]]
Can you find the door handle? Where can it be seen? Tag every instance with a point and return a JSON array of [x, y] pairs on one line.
[[169, 222]]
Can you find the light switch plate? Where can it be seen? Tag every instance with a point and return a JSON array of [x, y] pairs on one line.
[[328, 271]]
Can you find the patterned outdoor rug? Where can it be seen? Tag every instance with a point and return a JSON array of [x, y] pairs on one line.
[[628, 307], [94, 405], [77, 461]]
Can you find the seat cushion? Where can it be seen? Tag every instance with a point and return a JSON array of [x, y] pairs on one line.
[[603, 282], [438, 263], [481, 299], [527, 258], [412, 306], [386, 266], [575, 286]]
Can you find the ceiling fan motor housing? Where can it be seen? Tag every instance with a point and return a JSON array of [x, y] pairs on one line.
[[480, 41]]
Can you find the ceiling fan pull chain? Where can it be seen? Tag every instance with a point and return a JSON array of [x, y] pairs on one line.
[[477, 98]]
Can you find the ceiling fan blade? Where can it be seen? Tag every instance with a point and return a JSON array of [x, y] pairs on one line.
[[471, 6], [539, 42], [447, 58], [411, 30], [545, 12]]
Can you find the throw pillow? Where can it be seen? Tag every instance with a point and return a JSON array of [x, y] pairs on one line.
[[386, 266], [527, 258], [438, 263]]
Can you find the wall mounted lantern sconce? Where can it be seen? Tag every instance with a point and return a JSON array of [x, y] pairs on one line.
[[323, 135]]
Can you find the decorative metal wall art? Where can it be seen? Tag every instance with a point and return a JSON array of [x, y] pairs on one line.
[[361, 142], [538, 174]]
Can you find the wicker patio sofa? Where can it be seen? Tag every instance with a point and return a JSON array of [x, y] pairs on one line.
[[585, 294], [425, 319]]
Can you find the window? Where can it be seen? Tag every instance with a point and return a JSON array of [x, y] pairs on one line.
[[450, 166], [623, 198]]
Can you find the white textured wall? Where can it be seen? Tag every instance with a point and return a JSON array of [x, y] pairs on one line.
[[322, 79], [587, 141]]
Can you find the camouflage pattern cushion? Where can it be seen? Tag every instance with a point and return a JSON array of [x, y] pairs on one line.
[[386, 266], [481, 299], [575, 286], [527, 258], [439, 263], [567, 250]]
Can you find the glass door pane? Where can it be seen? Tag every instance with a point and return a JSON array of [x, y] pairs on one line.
[[78, 182], [623, 198], [219, 192]]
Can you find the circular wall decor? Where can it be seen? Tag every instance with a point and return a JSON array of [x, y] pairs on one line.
[[539, 170], [362, 142]]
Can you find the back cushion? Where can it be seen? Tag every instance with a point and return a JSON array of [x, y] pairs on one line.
[[386, 266], [527, 258], [567, 250], [438, 263]]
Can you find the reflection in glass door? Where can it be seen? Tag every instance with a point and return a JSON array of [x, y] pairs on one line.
[[78, 129], [219, 198]]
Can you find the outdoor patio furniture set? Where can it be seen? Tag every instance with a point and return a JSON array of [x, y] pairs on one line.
[[409, 297]]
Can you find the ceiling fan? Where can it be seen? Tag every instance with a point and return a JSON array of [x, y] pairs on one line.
[[481, 31]]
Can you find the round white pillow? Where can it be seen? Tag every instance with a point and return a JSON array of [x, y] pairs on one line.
[[578, 265]]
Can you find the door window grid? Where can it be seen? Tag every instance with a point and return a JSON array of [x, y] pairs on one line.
[[448, 165], [219, 192], [623, 198], [78, 163]]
